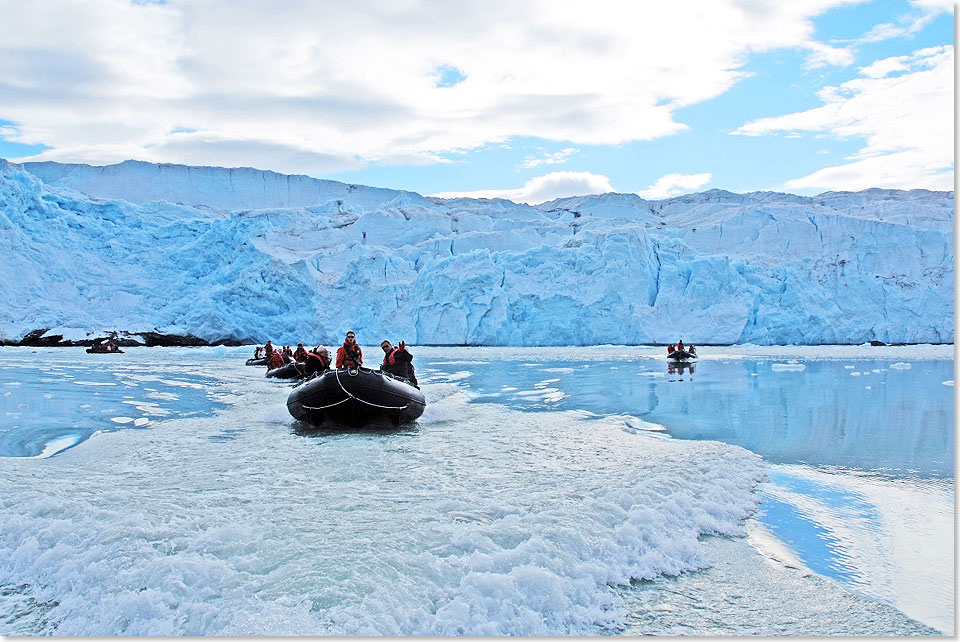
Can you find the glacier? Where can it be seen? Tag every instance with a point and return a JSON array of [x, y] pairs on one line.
[[244, 255]]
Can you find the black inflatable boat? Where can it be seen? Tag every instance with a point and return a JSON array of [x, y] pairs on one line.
[[681, 355], [289, 371], [96, 350], [356, 397], [258, 362]]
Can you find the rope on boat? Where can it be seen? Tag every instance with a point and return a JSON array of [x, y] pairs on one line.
[[350, 396]]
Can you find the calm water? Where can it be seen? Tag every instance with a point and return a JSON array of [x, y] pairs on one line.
[[544, 491]]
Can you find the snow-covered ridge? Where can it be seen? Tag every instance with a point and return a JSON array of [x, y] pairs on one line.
[[249, 255], [215, 188]]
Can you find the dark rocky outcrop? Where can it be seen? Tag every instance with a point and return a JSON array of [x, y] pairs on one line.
[[39, 338]]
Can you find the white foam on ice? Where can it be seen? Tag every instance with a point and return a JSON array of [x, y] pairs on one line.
[[479, 521]]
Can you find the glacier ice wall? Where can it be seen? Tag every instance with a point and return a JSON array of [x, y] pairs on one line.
[[250, 255]]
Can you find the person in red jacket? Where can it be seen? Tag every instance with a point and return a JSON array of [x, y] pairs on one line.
[[397, 361], [300, 354], [276, 360], [317, 361], [349, 354]]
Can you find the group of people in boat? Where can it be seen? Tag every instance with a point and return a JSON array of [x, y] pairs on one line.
[[105, 345], [397, 360], [679, 347]]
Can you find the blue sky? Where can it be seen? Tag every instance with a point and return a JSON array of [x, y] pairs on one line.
[[529, 101]]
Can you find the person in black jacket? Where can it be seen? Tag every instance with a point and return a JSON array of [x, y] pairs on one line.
[[397, 361]]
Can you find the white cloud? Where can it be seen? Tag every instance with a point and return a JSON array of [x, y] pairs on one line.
[[674, 184], [557, 158], [906, 121], [910, 23], [544, 188], [358, 81], [822, 55]]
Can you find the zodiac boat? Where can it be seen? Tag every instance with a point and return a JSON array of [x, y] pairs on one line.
[[681, 355], [356, 397]]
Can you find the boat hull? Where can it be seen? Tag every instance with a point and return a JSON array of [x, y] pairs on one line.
[[289, 371], [257, 362], [356, 398], [681, 356]]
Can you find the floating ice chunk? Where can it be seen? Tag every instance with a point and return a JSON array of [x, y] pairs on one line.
[[121, 420], [182, 384], [545, 383], [635, 424], [948, 382], [900, 365], [456, 376], [855, 374], [849, 367], [57, 445], [561, 370], [12, 383], [869, 388], [531, 393], [141, 421], [785, 367], [94, 383], [163, 396]]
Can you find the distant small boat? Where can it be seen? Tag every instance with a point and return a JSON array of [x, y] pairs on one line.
[[356, 397], [102, 350], [681, 355]]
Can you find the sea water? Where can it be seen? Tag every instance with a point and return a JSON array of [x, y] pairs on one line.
[[543, 491]]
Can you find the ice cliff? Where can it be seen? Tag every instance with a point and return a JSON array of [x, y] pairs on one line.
[[249, 255]]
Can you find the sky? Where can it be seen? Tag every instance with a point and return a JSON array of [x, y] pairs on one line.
[[526, 100]]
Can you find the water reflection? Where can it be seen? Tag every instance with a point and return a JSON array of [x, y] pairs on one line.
[[862, 415], [54, 399], [680, 368]]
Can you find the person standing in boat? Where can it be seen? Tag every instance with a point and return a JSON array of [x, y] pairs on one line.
[[349, 354], [397, 361]]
